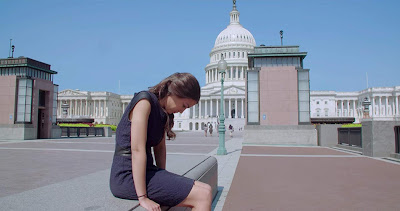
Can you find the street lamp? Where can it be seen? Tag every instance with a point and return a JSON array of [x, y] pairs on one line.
[[221, 129]]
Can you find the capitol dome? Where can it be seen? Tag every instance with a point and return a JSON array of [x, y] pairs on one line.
[[234, 33]]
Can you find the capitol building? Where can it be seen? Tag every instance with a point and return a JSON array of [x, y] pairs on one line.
[[234, 43]]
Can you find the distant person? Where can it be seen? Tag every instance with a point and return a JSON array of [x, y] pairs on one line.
[[148, 119], [231, 130], [210, 129], [205, 127]]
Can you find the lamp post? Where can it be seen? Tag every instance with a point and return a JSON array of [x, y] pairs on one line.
[[221, 129]]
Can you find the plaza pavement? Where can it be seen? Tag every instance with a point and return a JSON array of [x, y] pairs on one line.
[[32, 170], [250, 177]]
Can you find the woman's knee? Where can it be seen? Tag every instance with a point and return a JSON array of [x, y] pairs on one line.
[[204, 189]]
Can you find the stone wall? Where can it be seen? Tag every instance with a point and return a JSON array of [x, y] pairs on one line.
[[378, 137], [293, 135], [328, 135]]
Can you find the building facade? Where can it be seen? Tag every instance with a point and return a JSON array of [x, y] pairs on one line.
[[28, 102], [384, 103], [277, 86]]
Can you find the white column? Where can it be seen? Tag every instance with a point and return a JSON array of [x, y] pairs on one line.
[[242, 74], [237, 73], [205, 109], [81, 108], [386, 106], [397, 105], [123, 107], [236, 110], [200, 109], [242, 114], [342, 108], [231, 73], [380, 106], [230, 108], [217, 107], [393, 106], [105, 109], [354, 109], [372, 111], [348, 107], [94, 108], [86, 109], [336, 108], [211, 108]]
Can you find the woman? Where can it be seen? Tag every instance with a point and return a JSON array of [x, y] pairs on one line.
[[146, 121]]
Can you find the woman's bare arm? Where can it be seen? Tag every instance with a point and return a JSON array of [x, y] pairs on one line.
[[160, 154], [139, 119]]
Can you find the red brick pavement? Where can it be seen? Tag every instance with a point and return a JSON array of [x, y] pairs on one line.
[[302, 178]]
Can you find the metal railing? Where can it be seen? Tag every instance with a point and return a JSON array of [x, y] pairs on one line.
[[81, 131], [350, 136], [397, 138]]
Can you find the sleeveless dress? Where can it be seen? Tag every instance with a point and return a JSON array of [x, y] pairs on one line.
[[163, 187]]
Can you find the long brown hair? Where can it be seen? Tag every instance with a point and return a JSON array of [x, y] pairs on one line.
[[183, 85]]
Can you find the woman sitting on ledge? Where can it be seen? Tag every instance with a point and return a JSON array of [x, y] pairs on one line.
[[146, 121]]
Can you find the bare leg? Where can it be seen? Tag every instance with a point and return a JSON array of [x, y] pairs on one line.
[[199, 198]]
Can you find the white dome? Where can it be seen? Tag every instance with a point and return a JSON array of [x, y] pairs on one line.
[[235, 33]]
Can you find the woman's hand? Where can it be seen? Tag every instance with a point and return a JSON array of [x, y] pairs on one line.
[[148, 204]]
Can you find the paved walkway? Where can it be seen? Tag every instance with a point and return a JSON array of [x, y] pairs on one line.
[[312, 178], [249, 177]]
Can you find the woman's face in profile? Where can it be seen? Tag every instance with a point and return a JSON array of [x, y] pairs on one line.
[[175, 104]]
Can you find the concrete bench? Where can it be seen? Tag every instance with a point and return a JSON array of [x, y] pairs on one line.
[[92, 192]]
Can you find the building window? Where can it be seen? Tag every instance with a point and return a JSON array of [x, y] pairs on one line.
[[252, 98], [326, 102], [317, 102], [304, 95], [24, 104]]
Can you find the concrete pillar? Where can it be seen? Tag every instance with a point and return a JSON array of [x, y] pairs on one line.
[[380, 106], [397, 105], [354, 109]]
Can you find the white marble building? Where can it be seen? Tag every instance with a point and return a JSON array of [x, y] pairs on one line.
[[384, 103], [233, 43], [103, 107]]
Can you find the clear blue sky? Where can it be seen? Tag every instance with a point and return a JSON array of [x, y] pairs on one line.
[[94, 44]]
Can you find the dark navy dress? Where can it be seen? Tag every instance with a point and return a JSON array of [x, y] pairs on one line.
[[163, 187]]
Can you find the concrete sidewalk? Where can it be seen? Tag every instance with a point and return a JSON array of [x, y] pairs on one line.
[[312, 178]]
